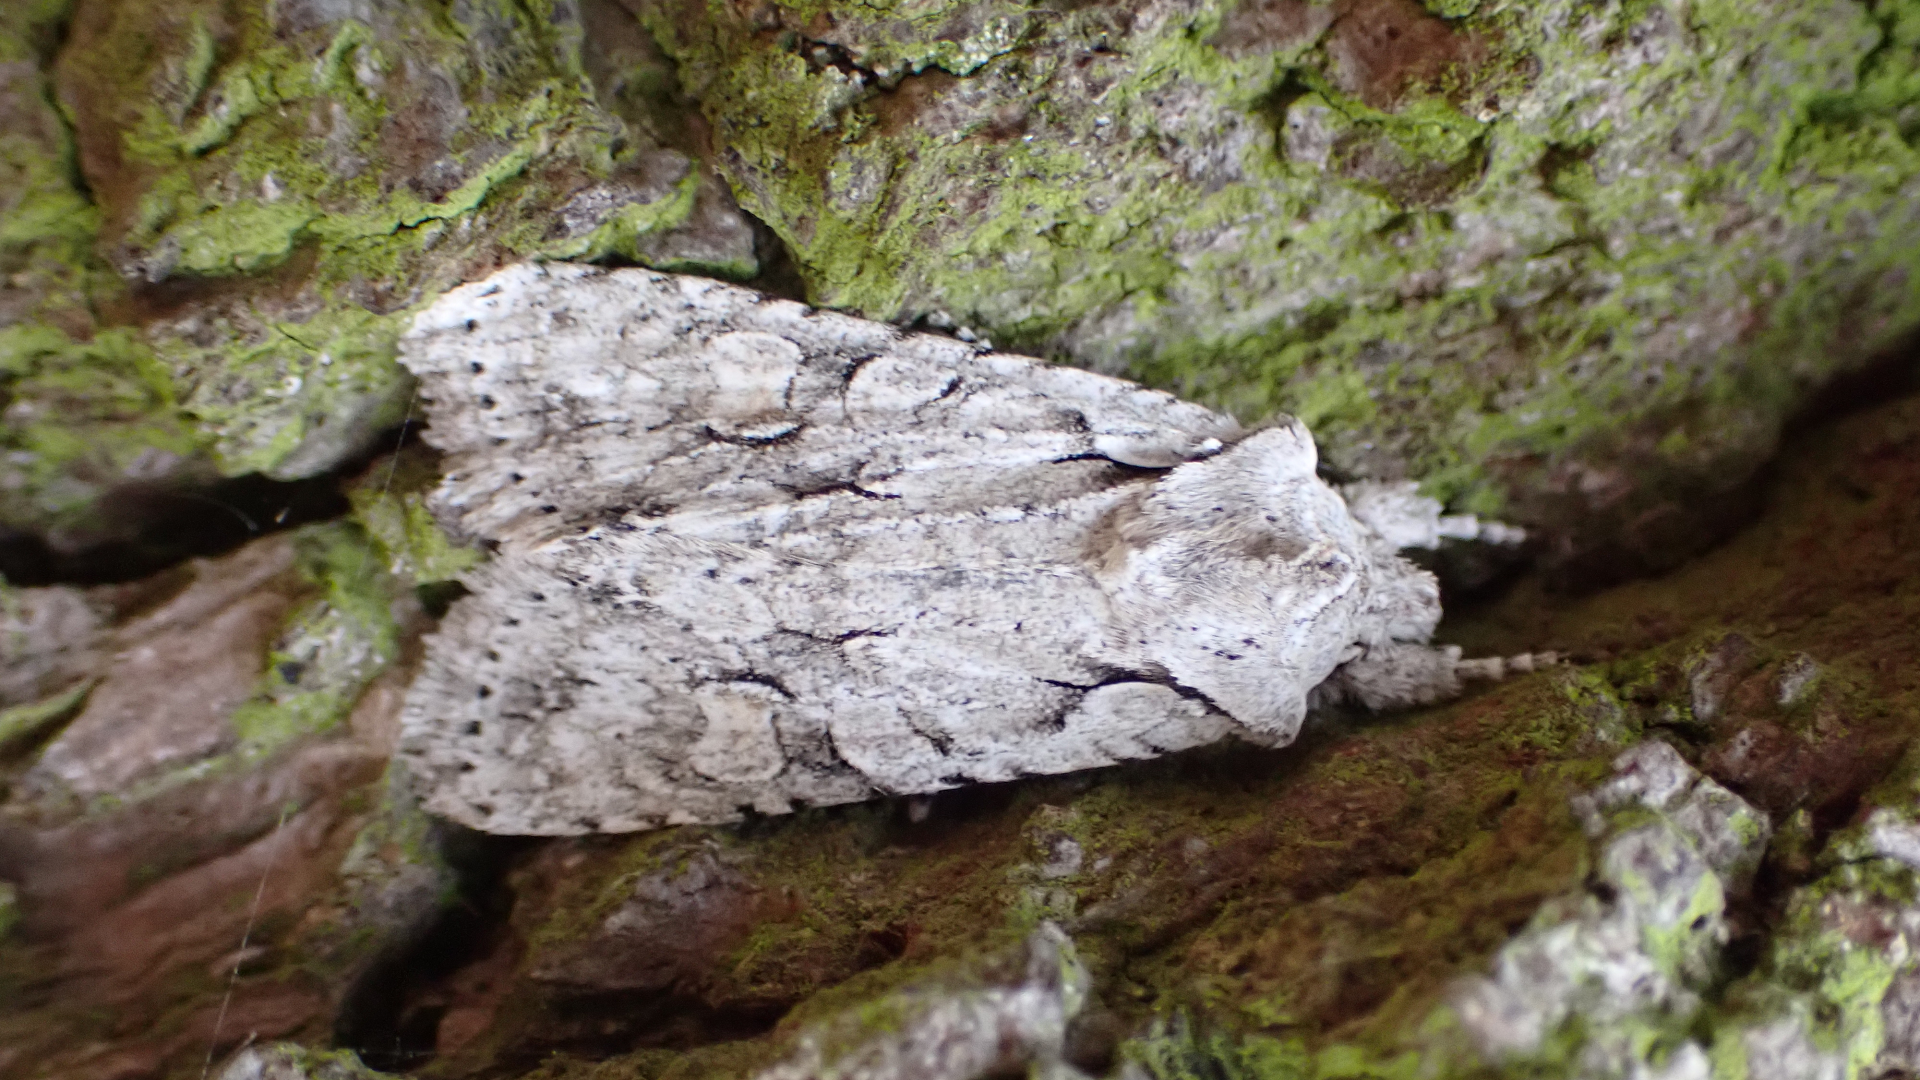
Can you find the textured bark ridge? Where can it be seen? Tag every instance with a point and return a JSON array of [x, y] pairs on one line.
[[753, 557]]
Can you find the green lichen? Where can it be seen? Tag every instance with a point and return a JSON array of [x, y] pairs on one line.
[[248, 184], [390, 502], [86, 417], [588, 903], [1597, 702], [87, 409], [317, 187], [1172, 1049], [1556, 244], [290, 184], [1677, 946], [23, 725], [1823, 970], [415, 545], [28, 28], [329, 650], [1476, 279]]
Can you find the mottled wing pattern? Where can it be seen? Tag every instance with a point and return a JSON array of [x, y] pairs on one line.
[[755, 556]]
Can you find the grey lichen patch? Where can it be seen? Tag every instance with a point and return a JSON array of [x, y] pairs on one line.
[[1616, 980], [286, 1061], [1835, 994], [755, 555], [1610, 982], [1008, 1026], [1578, 257]]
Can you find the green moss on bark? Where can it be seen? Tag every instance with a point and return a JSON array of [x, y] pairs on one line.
[[256, 197], [1574, 229], [86, 409]]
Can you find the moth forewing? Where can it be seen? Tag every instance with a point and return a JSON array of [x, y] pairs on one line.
[[751, 557]]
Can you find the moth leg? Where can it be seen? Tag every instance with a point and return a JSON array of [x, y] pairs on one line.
[[1402, 675], [1395, 675], [1495, 668]]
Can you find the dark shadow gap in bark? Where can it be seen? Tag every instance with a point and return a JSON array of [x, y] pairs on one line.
[[386, 1016], [1716, 516], [162, 525], [1472, 579], [1888, 376], [779, 272]]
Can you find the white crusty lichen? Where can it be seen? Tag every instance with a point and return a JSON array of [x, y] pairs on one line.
[[750, 556], [1015, 1025], [287, 1061], [1609, 982]]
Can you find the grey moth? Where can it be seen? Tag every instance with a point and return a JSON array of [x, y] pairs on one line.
[[749, 557]]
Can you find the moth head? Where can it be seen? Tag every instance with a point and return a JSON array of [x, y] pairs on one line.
[[1241, 576], [1259, 499]]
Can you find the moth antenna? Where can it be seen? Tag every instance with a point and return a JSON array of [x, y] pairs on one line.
[[1495, 668]]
